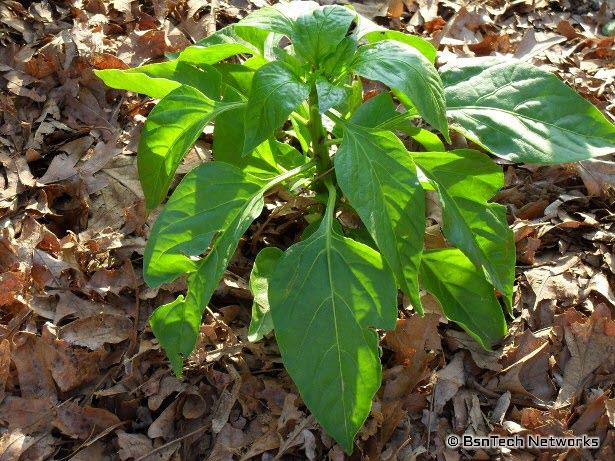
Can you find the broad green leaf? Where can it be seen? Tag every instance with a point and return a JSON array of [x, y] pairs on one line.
[[338, 62], [200, 55], [158, 80], [213, 200], [465, 296], [463, 172], [326, 294], [464, 183], [268, 159], [207, 201], [425, 138], [523, 113], [379, 113], [171, 128], [279, 18], [377, 175], [330, 95], [371, 32], [276, 92], [261, 323], [238, 77], [403, 68], [375, 111], [426, 48], [248, 36], [317, 34]]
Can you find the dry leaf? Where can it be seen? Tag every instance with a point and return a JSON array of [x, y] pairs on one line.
[[94, 332], [591, 342], [83, 422]]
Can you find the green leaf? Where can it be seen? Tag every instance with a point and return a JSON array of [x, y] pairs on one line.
[[375, 111], [465, 296], [338, 62], [278, 18], [213, 200], [264, 265], [377, 175], [523, 113], [403, 68], [248, 36], [317, 34], [371, 32], [462, 172], [171, 128], [276, 92], [207, 201], [326, 294], [329, 95], [464, 182], [158, 80], [426, 48], [200, 55]]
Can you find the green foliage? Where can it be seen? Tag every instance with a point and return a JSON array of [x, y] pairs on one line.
[[326, 294]]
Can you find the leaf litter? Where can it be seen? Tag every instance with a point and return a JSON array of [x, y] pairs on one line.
[[81, 376]]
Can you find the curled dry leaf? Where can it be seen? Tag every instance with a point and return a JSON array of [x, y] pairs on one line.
[[529, 371]]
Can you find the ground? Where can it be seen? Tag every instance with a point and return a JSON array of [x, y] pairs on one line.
[[81, 375]]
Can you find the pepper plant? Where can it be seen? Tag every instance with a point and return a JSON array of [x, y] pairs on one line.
[[284, 89]]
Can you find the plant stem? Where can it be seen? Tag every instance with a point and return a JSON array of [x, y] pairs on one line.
[[317, 133]]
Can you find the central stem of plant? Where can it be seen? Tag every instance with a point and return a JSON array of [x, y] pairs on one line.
[[318, 134]]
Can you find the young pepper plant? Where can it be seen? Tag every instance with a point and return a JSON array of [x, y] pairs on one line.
[[299, 67]]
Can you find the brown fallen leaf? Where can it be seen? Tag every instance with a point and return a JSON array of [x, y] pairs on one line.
[[94, 332], [449, 380], [164, 425], [5, 366], [593, 411], [29, 415], [598, 176], [529, 372], [82, 422], [132, 446], [35, 378], [13, 444], [591, 342]]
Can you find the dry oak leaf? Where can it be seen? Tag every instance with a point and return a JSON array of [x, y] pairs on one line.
[[83, 422], [529, 374], [35, 379], [132, 446], [29, 415], [94, 332], [449, 380], [591, 343], [598, 177]]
